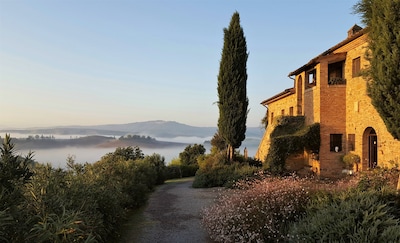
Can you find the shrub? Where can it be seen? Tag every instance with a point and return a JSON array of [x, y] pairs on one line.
[[63, 228], [173, 171], [83, 203], [179, 171], [263, 209], [257, 211], [378, 179], [350, 159], [215, 172], [158, 163], [58, 198], [15, 173], [289, 209], [352, 216]]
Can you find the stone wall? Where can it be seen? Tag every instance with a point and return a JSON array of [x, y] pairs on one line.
[[361, 115], [275, 110]]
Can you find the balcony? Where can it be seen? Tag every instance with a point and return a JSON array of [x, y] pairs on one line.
[[336, 81]]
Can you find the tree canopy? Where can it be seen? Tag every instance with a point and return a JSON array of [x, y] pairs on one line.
[[232, 81], [382, 17], [189, 155]]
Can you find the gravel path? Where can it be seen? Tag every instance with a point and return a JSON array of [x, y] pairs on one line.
[[172, 215]]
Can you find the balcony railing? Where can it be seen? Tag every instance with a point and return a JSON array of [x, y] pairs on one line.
[[336, 81]]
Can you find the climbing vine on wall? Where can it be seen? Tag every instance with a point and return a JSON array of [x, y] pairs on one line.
[[291, 136]]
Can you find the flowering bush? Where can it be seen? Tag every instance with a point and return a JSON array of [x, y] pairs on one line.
[[257, 211], [290, 209]]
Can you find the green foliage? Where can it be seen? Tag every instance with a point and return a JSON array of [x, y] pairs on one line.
[[128, 153], [180, 171], [285, 125], [378, 179], [350, 159], [383, 20], [158, 164], [175, 161], [137, 138], [190, 154], [6, 222], [214, 171], [61, 228], [83, 203], [232, 81], [186, 165], [15, 173], [14, 170], [291, 136], [217, 143], [353, 216]]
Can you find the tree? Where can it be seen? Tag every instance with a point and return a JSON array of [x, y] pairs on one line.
[[382, 17], [191, 153], [217, 143], [158, 162], [127, 153], [232, 79]]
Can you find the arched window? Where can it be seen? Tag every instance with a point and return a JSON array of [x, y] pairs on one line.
[[299, 91]]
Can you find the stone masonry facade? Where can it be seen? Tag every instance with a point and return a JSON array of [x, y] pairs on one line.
[[330, 90]]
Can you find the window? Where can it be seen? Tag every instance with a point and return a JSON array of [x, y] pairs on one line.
[[283, 112], [311, 78], [336, 142], [356, 67], [351, 139], [272, 117], [335, 73], [299, 91], [291, 111]]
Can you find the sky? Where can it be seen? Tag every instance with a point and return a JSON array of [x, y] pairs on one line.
[[95, 62]]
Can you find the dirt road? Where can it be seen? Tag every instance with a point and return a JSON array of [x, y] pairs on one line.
[[172, 215]]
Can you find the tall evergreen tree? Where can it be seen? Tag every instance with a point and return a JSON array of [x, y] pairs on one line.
[[382, 17], [232, 80]]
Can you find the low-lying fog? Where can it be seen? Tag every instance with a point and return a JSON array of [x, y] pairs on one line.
[[57, 157]]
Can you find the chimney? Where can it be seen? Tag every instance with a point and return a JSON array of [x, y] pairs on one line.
[[353, 30]]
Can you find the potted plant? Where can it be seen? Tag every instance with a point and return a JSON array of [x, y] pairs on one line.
[[349, 160]]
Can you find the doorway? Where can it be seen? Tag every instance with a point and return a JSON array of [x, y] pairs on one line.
[[370, 148]]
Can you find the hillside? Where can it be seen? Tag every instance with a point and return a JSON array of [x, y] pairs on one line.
[[157, 129], [91, 141]]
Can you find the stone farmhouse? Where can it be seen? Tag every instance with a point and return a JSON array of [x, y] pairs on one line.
[[329, 90]]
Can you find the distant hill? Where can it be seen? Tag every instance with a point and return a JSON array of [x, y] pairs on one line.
[[157, 129], [92, 141]]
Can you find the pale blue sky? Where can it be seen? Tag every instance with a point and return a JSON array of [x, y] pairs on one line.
[[89, 62]]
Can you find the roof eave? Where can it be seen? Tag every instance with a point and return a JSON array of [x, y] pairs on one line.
[[279, 96], [315, 60]]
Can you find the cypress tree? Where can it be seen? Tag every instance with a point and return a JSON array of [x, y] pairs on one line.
[[382, 17], [232, 80]]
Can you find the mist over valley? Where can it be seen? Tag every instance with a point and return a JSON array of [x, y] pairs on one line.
[[89, 143]]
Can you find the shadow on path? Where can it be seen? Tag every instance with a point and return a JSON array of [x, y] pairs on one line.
[[172, 215]]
